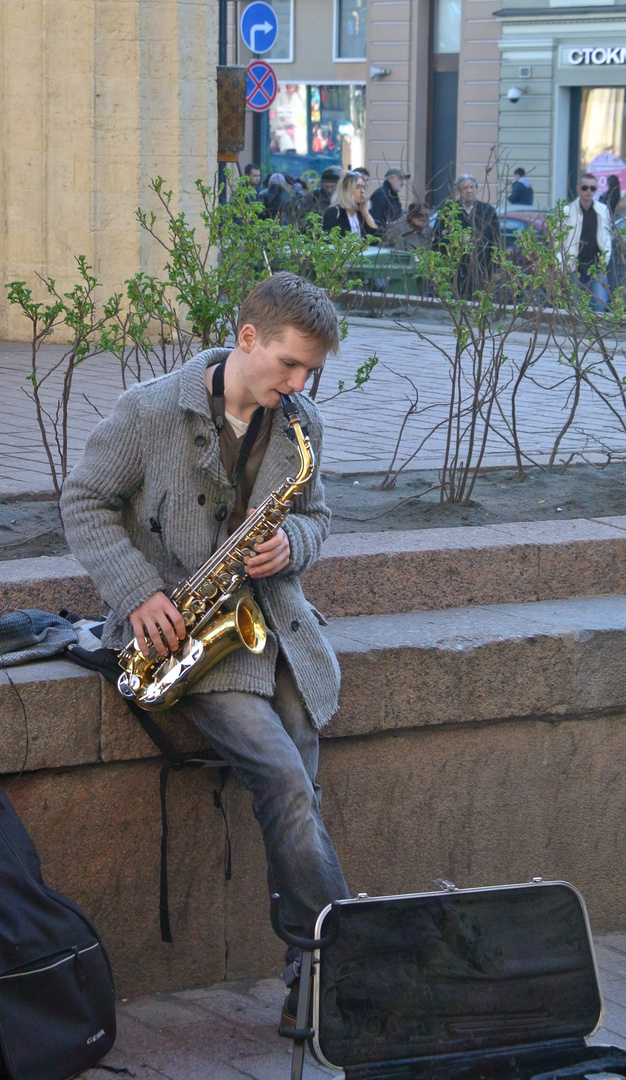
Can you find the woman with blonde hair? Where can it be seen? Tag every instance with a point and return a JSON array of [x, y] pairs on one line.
[[348, 209]]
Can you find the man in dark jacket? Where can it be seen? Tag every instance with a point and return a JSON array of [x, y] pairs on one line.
[[318, 200], [385, 205], [473, 269], [521, 191], [277, 200]]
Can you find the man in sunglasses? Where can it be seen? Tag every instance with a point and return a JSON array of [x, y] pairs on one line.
[[587, 246]]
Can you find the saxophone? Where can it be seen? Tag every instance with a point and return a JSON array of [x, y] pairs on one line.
[[157, 682]]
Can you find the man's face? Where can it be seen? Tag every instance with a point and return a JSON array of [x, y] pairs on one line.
[[467, 191], [255, 177], [586, 189], [396, 183], [329, 186], [281, 366]]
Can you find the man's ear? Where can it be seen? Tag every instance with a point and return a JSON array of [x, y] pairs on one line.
[[247, 337]]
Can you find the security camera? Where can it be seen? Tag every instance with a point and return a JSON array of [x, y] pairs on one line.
[[516, 92]]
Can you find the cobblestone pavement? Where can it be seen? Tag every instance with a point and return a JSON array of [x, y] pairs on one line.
[[361, 426], [229, 1031]]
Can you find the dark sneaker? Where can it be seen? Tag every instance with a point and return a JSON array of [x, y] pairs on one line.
[[290, 1008]]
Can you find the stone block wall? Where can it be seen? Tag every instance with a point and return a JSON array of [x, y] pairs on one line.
[[483, 762], [483, 743]]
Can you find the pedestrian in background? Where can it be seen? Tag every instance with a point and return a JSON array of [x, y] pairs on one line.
[[385, 202], [587, 245], [348, 209], [521, 191], [253, 174], [412, 230], [318, 200], [474, 268], [612, 195], [277, 199]]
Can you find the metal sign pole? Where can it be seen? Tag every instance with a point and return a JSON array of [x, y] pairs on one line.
[[222, 59]]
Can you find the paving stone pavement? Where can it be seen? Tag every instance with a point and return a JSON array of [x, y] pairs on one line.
[[229, 1031], [362, 426]]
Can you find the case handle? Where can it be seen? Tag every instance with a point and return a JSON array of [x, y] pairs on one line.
[[301, 942]]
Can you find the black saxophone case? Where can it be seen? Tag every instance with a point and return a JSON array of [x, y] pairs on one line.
[[463, 984]]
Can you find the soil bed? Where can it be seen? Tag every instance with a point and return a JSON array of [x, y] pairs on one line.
[[29, 528]]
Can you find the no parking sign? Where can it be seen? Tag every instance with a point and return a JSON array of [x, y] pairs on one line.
[[261, 86]]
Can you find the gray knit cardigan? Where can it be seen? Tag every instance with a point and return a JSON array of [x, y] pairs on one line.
[[139, 513]]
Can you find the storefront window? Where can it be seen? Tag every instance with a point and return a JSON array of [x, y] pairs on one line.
[[602, 145], [351, 29], [314, 126]]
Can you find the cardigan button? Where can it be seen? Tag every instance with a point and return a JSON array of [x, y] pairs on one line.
[[295, 625], [202, 499], [199, 440]]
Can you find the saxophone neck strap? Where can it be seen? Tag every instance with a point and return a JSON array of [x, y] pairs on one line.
[[219, 416], [219, 406]]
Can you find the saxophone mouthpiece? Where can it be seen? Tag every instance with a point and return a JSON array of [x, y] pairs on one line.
[[289, 409]]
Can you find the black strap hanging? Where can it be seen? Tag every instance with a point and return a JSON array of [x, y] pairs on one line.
[[219, 416], [105, 662]]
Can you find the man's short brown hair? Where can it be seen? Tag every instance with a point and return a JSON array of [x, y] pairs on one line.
[[288, 300]]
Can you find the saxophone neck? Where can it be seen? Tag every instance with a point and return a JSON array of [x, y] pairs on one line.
[[307, 458]]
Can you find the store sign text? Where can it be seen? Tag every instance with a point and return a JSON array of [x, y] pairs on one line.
[[609, 55]]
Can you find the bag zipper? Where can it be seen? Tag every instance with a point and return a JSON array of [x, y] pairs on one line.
[[74, 953]]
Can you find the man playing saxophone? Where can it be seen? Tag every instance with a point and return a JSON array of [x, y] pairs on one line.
[[162, 483]]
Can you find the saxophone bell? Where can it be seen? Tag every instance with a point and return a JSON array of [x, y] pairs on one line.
[[161, 683]]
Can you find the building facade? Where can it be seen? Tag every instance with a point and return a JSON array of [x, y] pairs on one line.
[[568, 61], [379, 83]]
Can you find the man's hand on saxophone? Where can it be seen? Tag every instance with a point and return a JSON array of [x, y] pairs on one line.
[[271, 556], [159, 619]]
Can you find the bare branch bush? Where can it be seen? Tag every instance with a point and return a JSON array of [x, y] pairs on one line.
[[470, 274], [158, 323], [51, 380]]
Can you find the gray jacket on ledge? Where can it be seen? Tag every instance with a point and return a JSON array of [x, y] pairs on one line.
[[139, 514]]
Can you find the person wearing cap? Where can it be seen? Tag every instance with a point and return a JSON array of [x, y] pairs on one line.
[[277, 199], [318, 200], [385, 205]]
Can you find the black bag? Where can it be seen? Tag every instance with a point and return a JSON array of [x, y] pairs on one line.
[[57, 1008]]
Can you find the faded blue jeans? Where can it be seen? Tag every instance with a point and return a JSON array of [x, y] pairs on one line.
[[598, 288], [273, 748]]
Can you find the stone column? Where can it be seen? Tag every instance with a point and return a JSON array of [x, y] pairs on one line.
[[97, 98]]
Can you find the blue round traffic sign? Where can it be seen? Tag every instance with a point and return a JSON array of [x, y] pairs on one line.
[[259, 27], [261, 86]]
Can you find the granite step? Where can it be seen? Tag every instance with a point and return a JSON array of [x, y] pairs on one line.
[[550, 659], [382, 573]]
